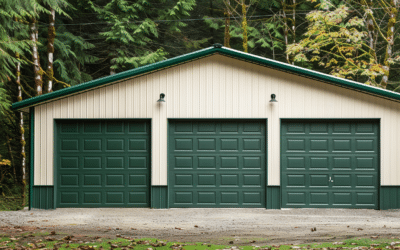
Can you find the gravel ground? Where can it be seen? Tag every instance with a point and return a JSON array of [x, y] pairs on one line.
[[242, 226]]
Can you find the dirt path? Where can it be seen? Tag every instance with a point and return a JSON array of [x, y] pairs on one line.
[[240, 226]]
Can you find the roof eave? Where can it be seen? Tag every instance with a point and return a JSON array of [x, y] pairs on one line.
[[201, 53]]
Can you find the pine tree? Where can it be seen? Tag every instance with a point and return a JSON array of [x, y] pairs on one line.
[[132, 28]]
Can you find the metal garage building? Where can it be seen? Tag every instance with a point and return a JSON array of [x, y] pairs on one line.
[[216, 139]]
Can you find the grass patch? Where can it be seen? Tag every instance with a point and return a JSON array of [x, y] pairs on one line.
[[155, 244], [349, 243]]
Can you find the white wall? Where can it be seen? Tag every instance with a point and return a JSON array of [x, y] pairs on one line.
[[218, 87]]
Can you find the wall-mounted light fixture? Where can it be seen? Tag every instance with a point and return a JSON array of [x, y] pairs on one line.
[[162, 96], [273, 96]]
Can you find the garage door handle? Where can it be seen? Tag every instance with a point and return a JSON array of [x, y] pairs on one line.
[[330, 179]]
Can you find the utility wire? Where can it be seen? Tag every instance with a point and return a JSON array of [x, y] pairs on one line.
[[187, 20], [166, 21]]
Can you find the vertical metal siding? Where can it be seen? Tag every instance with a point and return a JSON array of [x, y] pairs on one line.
[[218, 87]]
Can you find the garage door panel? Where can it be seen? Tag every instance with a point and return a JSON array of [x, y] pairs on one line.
[[183, 198], [92, 180], [139, 198], [69, 162], [207, 198], [92, 127], [342, 198], [339, 157], [296, 198], [69, 198], [253, 162], [92, 162], [91, 198], [319, 163], [114, 198], [69, 145], [92, 145], [232, 162], [365, 180], [365, 198], [296, 180], [69, 180], [104, 172], [342, 180], [207, 180], [366, 163], [225, 165], [229, 144], [69, 128], [319, 180], [182, 162], [342, 163], [115, 127], [319, 198], [368, 145], [252, 198], [366, 128]]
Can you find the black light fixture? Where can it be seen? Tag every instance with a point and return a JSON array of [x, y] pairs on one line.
[[273, 96], [162, 96]]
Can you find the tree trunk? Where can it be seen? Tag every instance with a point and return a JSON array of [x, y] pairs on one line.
[[22, 132], [244, 27], [50, 49], [285, 31], [35, 57], [371, 27], [294, 21], [11, 158], [390, 41], [211, 29], [227, 35]]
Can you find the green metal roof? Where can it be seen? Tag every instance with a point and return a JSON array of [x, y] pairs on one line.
[[216, 49]]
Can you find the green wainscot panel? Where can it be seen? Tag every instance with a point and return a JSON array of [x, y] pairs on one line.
[[103, 163], [159, 197], [273, 197], [389, 197], [42, 197], [217, 163], [330, 163]]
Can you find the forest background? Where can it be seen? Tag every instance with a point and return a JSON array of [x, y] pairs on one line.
[[46, 45]]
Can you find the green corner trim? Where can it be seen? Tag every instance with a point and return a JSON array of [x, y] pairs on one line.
[[389, 197], [31, 153], [202, 53], [273, 197], [43, 197], [159, 197]]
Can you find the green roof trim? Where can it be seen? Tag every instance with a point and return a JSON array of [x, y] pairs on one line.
[[202, 53]]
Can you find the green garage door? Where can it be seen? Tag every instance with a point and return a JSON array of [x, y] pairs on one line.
[[103, 163], [217, 163], [331, 164]]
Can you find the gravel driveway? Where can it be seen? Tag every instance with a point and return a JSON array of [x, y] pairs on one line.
[[212, 225]]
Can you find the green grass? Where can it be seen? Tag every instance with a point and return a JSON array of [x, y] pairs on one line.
[[145, 243]]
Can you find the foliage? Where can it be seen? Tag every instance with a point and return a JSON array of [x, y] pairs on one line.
[[336, 41], [10, 14], [132, 27]]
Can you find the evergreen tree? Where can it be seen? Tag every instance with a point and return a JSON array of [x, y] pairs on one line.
[[132, 27]]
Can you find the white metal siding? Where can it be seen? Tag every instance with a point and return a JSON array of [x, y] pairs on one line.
[[218, 87]]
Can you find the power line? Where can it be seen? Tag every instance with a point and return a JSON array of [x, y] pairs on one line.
[[305, 12], [178, 20]]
